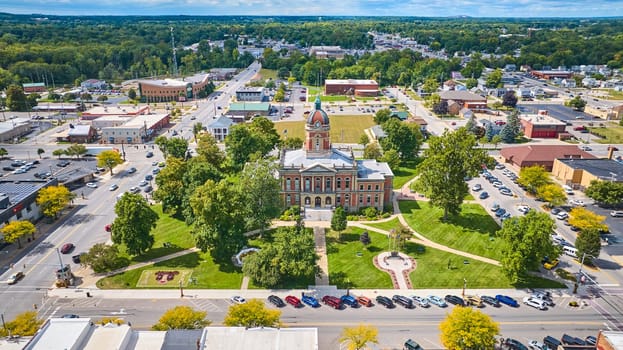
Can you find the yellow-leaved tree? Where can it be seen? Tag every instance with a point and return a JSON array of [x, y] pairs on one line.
[[109, 159], [14, 230], [53, 199], [552, 193], [24, 324], [357, 338], [585, 219], [252, 314], [466, 328], [182, 317]]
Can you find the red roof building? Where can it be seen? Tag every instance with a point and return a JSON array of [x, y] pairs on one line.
[[544, 155]]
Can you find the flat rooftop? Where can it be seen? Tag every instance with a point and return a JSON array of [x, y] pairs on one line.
[[350, 82], [228, 338], [60, 334], [540, 119], [606, 169], [109, 337]]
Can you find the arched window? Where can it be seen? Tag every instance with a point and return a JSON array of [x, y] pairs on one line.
[[327, 201], [307, 201]]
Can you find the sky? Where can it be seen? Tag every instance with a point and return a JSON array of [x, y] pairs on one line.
[[421, 8]]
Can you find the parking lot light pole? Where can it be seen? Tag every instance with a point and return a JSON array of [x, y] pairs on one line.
[[584, 255], [464, 285]]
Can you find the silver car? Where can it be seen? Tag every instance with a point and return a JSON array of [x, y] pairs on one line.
[[433, 299]]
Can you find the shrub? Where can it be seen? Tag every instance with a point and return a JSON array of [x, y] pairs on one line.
[[352, 218], [370, 212]]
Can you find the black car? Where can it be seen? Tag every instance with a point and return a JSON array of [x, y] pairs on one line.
[[515, 344], [63, 163], [8, 168], [570, 340], [551, 342], [405, 302], [149, 177], [275, 300], [385, 301], [76, 258], [149, 154], [454, 300], [490, 300]]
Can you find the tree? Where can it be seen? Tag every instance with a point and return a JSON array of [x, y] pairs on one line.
[[53, 199], [471, 125], [16, 99], [293, 142], [494, 79], [133, 223], [489, 132], [132, 94], [252, 314], [552, 193], [401, 137], [364, 238], [261, 193], [3, 153], [527, 241], [357, 338], [449, 159], [496, 140], [471, 83], [399, 237], [219, 211], [506, 134], [14, 230], [76, 150], [533, 177], [25, 324], [586, 220], [392, 158], [58, 153], [174, 146], [576, 103], [364, 140], [182, 317], [170, 180], [588, 244], [608, 193], [372, 151], [292, 256], [338, 221], [466, 329], [197, 128], [208, 149], [441, 108], [382, 115], [430, 85], [40, 151], [109, 159], [101, 257], [509, 99]]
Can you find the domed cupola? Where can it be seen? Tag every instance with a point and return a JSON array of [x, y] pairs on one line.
[[317, 117]]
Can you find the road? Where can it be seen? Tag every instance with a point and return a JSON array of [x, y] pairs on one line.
[[395, 325]]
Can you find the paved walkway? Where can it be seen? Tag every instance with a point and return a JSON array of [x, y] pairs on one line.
[[322, 279], [398, 268]]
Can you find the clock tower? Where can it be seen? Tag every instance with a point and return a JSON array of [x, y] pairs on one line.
[[317, 140]]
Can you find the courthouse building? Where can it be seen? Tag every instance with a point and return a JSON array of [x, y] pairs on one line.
[[322, 176]]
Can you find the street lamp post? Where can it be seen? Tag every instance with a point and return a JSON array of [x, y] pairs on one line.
[[464, 286], [584, 255], [181, 289]]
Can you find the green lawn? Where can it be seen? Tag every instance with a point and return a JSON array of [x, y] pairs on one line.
[[207, 273], [386, 225], [168, 229], [344, 129], [612, 133], [404, 174], [268, 74], [312, 91], [350, 263], [473, 230]]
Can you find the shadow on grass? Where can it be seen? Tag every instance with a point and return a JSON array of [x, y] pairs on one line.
[[408, 206], [414, 249], [157, 252], [530, 281], [472, 221], [340, 279], [190, 261], [120, 261]]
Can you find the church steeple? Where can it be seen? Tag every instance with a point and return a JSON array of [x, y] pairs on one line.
[[318, 140]]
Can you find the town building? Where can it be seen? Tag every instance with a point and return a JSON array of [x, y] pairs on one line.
[[610, 340], [77, 133], [356, 87], [139, 129], [219, 127], [123, 110], [327, 52], [580, 172], [551, 74], [606, 112], [94, 84], [241, 111], [33, 87], [322, 176], [59, 107], [166, 90], [463, 99], [543, 155], [222, 73], [108, 121], [541, 125], [12, 129], [251, 94]]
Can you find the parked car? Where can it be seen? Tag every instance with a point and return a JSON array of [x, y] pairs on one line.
[[294, 301], [551, 342], [332, 301], [311, 301], [237, 299], [544, 297], [474, 300], [476, 187], [555, 211], [149, 177], [113, 187], [385, 301], [495, 207], [147, 189], [149, 154], [132, 170], [490, 300], [67, 247], [70, 316], [535, 303], [500, 212], [14, 278], [437, 301], [616, 214], [505, 299], [548, 265], [143, 183], [365, 301], [76, 258], [514, 344], [423, 302], [349, 300], [523, 209], [571, 340], [403, 301], [275, 300], [155, 171], [562, 215], [506, 192], [590, 340], [536, 345], [484, 195], [135, 189], [63, 163], [454, 300], [91, 185]]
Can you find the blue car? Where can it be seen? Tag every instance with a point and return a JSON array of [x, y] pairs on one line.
[[311, 301], [349, 300], [500, 212], [484, 195], [505, 299]]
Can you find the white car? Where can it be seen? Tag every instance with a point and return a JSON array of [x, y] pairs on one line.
[[577, 202], [523, 209], [91, 185], [476, 187], [562, 215], [238, 299], [423, 302], [113, 187], [135, 190], [535, 303], [536, 345], [616, 214]]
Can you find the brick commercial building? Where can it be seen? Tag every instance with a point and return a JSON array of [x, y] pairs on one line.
[[541, 125], [356, 87], [544, 155], [551, 74], [464, 99], [321, 176], [167, 90]]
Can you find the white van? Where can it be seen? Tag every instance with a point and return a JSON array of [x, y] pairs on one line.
[[567, 189], [571, 251]]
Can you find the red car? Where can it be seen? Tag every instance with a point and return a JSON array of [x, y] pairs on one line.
[[107, 228], [294, 301], [67, 247]]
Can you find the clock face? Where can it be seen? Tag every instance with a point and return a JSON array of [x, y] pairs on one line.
[[317, 124]]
